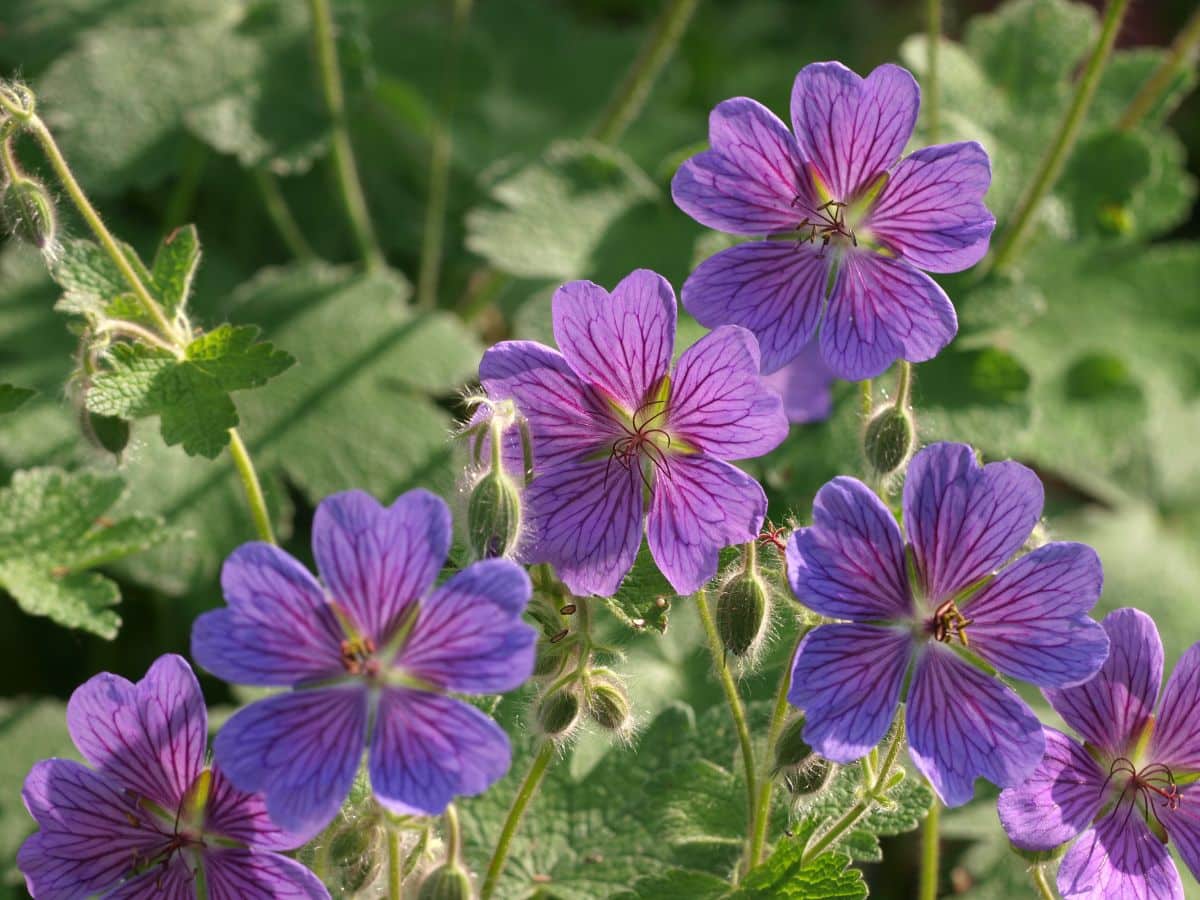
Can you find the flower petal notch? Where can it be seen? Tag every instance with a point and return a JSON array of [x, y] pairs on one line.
[[933, 610], [852, 228], [368, 652], [624, 444]]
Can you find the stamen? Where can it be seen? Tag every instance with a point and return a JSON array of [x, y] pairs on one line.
[[949, 623], [357, 656]]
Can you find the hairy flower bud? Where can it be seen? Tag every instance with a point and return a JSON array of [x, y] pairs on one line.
[[809, 778], [356, 854], [791, 750], [28, 213], [742, 612], [494, 515], [890, 439], [607, 703], [446, 882], [557, 712]]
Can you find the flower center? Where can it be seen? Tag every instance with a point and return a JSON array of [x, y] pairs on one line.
[[644, 442], [358, 656], [1150, 788], [948, 623], [827, 222]]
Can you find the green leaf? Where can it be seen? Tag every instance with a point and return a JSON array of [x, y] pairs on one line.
[[191, 395], [677, 884], [13, 398], [979, 396], [784, 875], [174, 267], [93, 285], [54, 528], [644, 598], [551, 216]]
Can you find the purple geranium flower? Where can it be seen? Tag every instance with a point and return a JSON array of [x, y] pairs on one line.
[[939, 605], [1131, 786], [371, 657], [805, 385], [840, 193], [149, 820], [614, 431]]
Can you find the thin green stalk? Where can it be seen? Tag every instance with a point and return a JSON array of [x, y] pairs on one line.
[[631, 94], [762, 806], [57, 162], [529, 786], [903, 384], [1060, 148], [183, 195], [341, 151], [734, 699], [439, 167], [251, 485], [281, 216], [452, 834], [930, 852], [866, 401], [932, 95], [395, 870], [1042, 883], [1182, 48]]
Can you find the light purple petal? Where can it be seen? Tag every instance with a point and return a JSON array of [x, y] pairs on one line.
[[428, 749], [91, 830], [1176, 739], [804, 385], [847, 679], [469, 636], [1111, 709], [566, 417], [849, 564], [853, 129], [774, 288], [931, 212], [700, 505], [620, 342], [1031, 621], [964, 724], [174, 881], [882, 309], [750, 180], [300, 749], [236, 874], [963, 520], [586, 520], [242, 817], [149, 736], [1119, 857], [718, 402], [1058, 801], [376, 561], [1183, 825], [277, 629]]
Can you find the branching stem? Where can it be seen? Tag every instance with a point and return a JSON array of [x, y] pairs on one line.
[[533, 779]]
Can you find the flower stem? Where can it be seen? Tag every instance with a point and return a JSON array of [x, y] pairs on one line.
[[1060, 148], [736, 709], [533, 778], [903, 384], [252, 487], [1156, 85], [631, 94], [340, 149], [453, 838], [762, 806], [395, 869], [281, 216], [930, 847], [932, 97], [439, 167], [866, 399], [1042, 884]]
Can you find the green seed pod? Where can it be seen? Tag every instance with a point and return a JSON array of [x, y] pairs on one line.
[[557, 712], [28, 213], [494, 515], [808, 779], [742, 613], [446, 882], [889, 439], [607, 704], [791, 750]]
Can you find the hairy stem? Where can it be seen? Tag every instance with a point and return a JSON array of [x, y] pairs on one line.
[[533, 778], [340, 149], [1042, 883], [395, 867], [734, 699], [930, 847], [932, 97], [1060, 148], [631, 94], [281, 216], [1182, 49], [251, 486], [439, 167]]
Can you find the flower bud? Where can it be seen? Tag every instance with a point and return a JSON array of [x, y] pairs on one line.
[[742, 612], [28, 213], [791, 750], [356, 854], [108, 433], [494, 515], [446, 882], [607, 703], [890, 439], [809, 778], [557, 712]]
